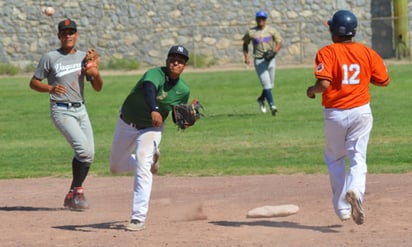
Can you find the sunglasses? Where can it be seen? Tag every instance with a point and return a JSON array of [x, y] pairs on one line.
[[68, 32]]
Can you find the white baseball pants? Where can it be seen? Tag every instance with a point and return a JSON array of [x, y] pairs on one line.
[[347, 135], [144, 142]]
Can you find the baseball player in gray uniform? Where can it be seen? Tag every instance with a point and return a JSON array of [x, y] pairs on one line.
[[63, 69], [265, 40]]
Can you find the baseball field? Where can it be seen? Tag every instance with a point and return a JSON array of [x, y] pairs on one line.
[[233, 159]]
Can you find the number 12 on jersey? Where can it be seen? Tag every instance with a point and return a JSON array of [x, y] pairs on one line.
[[350, 74]]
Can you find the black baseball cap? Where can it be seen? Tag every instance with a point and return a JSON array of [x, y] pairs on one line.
[[180, 50], [67, 24]]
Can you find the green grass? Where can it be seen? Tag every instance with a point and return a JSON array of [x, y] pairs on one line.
[[201, 60], [233, 139], [9, 69], [120, 64]]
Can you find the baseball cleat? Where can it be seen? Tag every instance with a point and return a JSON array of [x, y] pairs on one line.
[[79, 200], [357, 209], [68, 200], [135, 225], [262, 106], [345, 217], [274, 110]]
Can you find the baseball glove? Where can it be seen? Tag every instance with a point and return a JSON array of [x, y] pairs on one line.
[[269, 55], [186, 115], [91, 65]]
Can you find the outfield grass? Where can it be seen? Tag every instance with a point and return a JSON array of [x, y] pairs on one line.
[[233, 139]]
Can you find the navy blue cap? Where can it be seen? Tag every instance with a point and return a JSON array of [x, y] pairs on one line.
[[67, 24], [180, 50]]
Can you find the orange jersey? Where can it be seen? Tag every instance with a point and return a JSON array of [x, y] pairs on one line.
[[349, 67]]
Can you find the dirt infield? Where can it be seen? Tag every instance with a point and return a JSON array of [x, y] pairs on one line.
[[204, 211]]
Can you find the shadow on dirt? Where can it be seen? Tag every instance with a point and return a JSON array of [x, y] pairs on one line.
[[114, 225], [281, 224], [28, 208]]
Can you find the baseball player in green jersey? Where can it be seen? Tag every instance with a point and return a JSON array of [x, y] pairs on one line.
[[266, 43], [140, 126], [64, 70]]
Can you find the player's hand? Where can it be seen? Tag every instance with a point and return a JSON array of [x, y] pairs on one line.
[[157, 119], [310, 93], [58, 89]]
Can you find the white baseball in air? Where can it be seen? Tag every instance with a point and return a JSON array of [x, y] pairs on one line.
[[49, 11]]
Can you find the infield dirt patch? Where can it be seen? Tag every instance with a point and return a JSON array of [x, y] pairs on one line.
[[204, 211]]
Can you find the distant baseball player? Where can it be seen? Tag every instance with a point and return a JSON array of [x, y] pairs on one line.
[[65, 71], [139, 128], [266, 44], [344, 70]]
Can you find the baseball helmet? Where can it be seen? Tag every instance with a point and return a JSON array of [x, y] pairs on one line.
[[343, 23], [261, 14]]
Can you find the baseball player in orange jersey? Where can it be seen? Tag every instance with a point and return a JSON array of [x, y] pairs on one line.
[[343, 71]]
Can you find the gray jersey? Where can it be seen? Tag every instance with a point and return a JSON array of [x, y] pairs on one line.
[[64, 69]]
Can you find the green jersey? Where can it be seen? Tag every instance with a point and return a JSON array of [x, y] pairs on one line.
[[135, 108]]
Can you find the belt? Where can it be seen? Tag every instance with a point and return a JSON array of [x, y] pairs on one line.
[[130, 123], [70, 104]]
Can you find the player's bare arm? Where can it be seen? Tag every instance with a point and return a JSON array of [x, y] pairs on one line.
[[97, 82], [246, 53], [277, 47], [38, 86], [319, 87]]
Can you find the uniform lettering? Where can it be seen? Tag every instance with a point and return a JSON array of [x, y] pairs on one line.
[[62, 70], [60, 67], [354, 70]]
